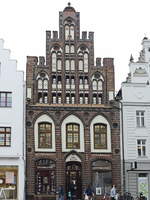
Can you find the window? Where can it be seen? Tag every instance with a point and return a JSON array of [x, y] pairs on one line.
[[5, 99], [45, 135], [67, 32], [45, 177], [100, 136], [72, 49], [59, 64], [141, 147], [5, 136], [101, 176], [72, 65], [42, 84], [72, 136], [85, 62], [80, 65], [67, 48], [67, 64], [54, 62], [140, 118]]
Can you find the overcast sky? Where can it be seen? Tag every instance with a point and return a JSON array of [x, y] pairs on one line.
[[119, 27]]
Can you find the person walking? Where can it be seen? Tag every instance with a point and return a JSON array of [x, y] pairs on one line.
[[89, 193], [60, 193], [113, 192]]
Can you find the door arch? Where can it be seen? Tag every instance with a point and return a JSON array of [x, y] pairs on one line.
[[74, 179]]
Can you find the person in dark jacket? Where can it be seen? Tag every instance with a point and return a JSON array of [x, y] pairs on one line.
[[89, 192]]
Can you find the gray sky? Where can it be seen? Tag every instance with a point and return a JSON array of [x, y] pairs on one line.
[[119, 27]]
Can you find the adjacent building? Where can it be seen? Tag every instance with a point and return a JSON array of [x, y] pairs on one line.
[[12, 157], [72, 120], [135, 105]]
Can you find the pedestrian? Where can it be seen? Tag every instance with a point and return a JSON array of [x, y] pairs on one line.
[[113, 192], [60, 193], [89, 193]]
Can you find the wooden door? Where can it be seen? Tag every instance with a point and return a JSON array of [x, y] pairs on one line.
[[74, 180]]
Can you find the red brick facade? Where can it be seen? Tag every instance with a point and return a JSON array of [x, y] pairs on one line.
[[60, 102]]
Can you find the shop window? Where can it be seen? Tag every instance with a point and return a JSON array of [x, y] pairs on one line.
[[5, 99], [45, 178], [100, 136], [8, 182], [101, 177], [72, 136], [44, 135]]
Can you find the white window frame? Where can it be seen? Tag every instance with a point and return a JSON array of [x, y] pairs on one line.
[[141, 147], [140, 118]]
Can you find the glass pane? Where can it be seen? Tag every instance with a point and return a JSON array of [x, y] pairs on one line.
[[67, 32], [72, 49], [67, 48], [72, 32], [39, 84]]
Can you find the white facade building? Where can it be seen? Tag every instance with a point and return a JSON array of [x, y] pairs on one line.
[[135, 106], [12, 162]]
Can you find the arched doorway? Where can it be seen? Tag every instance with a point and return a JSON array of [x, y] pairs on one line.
[[74, 177]]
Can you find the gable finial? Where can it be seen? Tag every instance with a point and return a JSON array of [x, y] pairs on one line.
[[69, 4]]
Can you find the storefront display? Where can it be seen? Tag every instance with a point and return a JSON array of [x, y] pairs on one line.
[[8, 182]]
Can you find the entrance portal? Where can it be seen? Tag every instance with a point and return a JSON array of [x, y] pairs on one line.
[[73, 179]]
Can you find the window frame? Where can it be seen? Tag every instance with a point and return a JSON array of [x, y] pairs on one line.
[[141, 148], [140, 118], [6, 102], [100, 145], [5, 133], [73, 145], [50, 145]]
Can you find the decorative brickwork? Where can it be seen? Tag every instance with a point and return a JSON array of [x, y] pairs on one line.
[[70, 92]]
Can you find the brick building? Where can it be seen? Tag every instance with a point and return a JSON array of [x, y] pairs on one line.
[[73, 133]]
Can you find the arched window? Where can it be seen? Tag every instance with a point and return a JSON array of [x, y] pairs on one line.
[[40, 84], [72, 136], [42, 87], [54, 62], [100, 136], [67, 64], [45, 84], [81, 99], [59, 64], [72, 50], [94, 85], [45, 177], [100, 85], [72, 65], [67, 32], [72, 32], [80, 65], [86, 62], [86, 99], [67, 48], [44, 135]]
